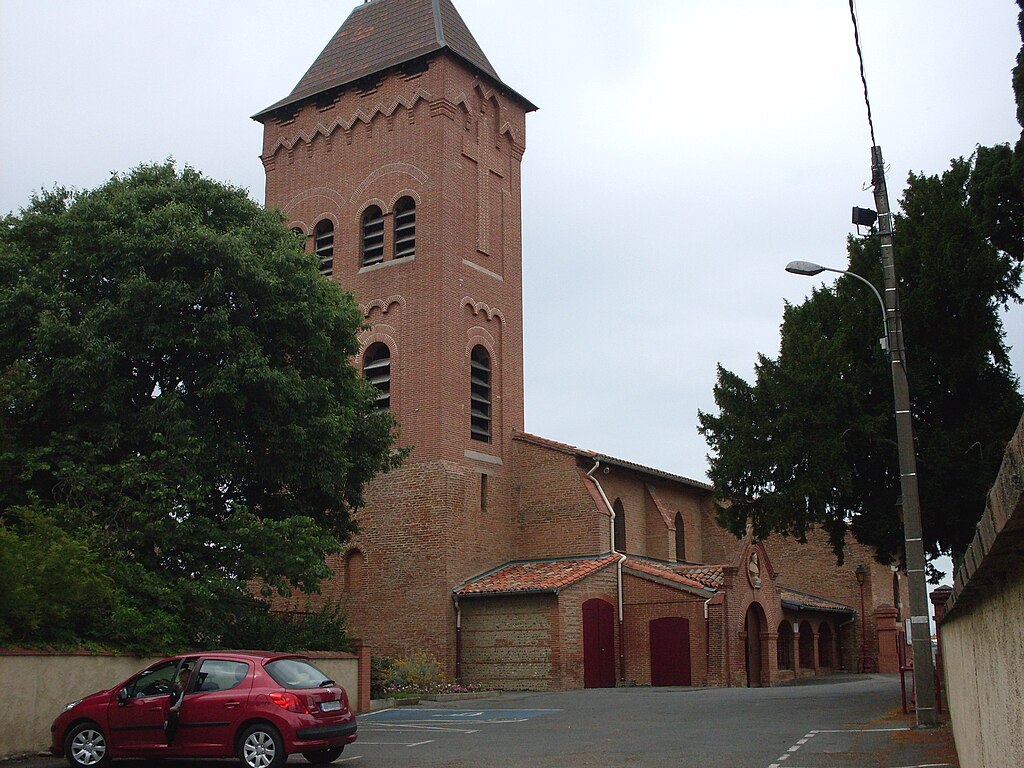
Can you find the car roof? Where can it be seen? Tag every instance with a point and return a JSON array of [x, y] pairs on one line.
[[255, 656]]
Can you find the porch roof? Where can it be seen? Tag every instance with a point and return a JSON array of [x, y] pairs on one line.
[[533, 576], [803, 601]]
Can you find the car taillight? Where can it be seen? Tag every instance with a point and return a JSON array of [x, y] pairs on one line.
[[289, 701]]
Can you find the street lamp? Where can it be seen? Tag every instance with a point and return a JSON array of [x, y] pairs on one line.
[[865, 649], [913, 544], [810, 269]]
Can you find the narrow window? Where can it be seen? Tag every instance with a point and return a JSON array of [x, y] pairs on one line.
[[323, 245], [405, 228], [377, 370], [680, 539], [620, 526], [353, 570], [373, 236], [480, 395]]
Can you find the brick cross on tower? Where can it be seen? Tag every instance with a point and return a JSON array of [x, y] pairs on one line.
[[486, 153]]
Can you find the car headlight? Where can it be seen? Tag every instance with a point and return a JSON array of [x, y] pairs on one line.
[[74, 703]]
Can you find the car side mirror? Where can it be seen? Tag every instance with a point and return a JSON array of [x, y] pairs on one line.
[[122, 697]]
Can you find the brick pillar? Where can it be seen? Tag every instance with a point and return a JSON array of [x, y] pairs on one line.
[[363, 694], [939, 596], [888, 638], [773, 658], [817, 657], [796, 651]]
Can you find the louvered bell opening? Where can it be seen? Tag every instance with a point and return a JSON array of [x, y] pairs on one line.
[[405, 230], [373, 237], [480, 396], [377, 371], [323, 246]]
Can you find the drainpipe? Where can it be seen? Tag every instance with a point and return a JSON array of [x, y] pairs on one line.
[[458, 639], [707, 641], [618, 566]]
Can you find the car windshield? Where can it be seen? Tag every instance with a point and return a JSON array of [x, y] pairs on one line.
[[296, 673]]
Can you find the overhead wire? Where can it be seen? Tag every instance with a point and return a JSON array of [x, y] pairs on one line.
[[863, 78]]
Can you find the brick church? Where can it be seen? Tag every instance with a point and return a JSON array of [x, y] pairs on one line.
[[516, 560]]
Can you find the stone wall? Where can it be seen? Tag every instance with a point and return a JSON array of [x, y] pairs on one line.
[[983, 630]]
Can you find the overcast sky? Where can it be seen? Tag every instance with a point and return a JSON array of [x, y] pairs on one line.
[[683, 153]]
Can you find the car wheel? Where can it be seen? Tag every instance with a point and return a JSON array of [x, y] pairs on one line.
[[323, 756], [85, 746], [261, 746]]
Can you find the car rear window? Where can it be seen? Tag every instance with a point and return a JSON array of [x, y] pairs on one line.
[[296, 673]]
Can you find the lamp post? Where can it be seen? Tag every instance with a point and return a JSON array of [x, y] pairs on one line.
[[924, 669], [865, 649]]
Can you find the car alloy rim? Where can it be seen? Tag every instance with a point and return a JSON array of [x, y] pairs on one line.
[[259, 749], [88, 747]]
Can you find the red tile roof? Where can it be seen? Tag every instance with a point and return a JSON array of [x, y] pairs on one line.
[[708, 578], [791, 598], [533, 576]]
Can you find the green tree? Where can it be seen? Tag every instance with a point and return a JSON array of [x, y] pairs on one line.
[[812, 441], [176, 387]]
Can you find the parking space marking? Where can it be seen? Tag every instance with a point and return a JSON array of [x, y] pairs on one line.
[[811, 734], [393, 723], [418, 715]]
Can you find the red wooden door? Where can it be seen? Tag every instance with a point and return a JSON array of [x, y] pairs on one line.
[[598, 644], [670, 651]]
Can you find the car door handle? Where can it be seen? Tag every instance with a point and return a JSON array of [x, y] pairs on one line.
[[232, 704]]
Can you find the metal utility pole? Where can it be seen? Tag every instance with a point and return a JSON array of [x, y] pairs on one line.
[[924, 670]]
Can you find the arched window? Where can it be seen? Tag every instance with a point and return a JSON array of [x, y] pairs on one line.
[[480, 394], [806, 646], [373, 236], [620, 526], [353, 570], [377, 370], [323, 246], [825, 645], [405, 228], [680, 539]]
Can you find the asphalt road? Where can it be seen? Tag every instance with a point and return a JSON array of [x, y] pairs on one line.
[[852, 721]]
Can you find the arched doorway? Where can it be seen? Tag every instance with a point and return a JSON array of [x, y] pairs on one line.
[[598, 644], [785, 650], [670, 651], [806, 646], [825, 645], [755, 624]]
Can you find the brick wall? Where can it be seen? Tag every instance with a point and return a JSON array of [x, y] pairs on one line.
[[644, 601], [556, 514], [507, 642]]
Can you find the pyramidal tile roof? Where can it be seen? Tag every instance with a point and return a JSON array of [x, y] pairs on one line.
[[381, 34], [533, 576]]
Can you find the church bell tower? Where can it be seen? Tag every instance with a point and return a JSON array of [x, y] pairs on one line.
[[398, 156]]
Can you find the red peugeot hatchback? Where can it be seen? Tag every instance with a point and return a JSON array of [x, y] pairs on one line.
[[260, 707]]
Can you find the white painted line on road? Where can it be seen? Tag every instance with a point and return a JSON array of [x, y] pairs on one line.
[[394, 743], [863, 730], [400, 727], [791, 750]]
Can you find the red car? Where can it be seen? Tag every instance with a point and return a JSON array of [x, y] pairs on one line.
[[260, 707]]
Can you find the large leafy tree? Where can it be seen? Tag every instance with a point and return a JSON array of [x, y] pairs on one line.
[[176, 390]]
